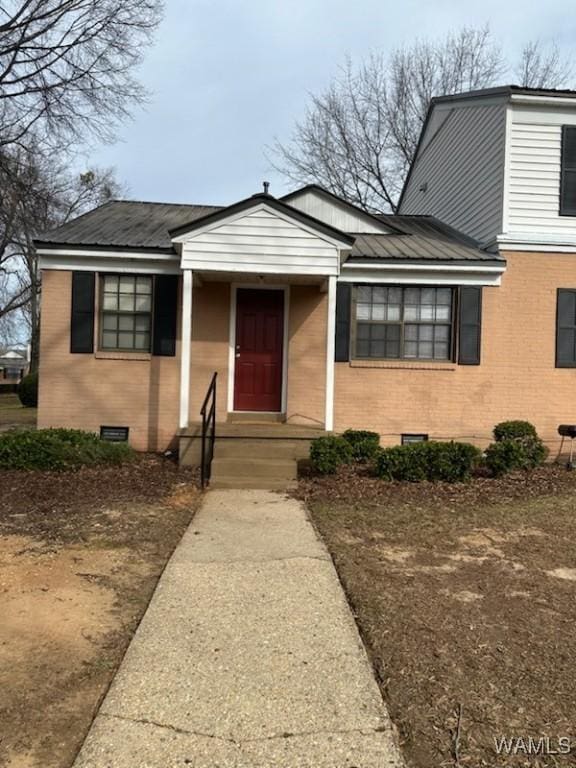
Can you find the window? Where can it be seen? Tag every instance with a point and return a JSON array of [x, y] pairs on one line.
[[403, 322], [408, 439], [568, 174], [126, 315]]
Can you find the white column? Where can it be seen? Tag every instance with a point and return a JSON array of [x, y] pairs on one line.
[[330, 343], [185, 348]]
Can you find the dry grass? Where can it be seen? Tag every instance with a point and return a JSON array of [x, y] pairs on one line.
[[466, 598], [13, 414]]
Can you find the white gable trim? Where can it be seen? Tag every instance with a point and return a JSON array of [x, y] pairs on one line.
[[259, 207], [334, 212], [260, 240], [423, 274]]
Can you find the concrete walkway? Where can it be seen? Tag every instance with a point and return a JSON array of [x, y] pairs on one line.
[[248, 656]]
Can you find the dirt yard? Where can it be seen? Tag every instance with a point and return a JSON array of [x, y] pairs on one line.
[[80, 555], [13, 414], [466, 599]]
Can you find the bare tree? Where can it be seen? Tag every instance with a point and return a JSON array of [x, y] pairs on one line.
[[36, 197], [66, 66], [543, 67], [359, 137]]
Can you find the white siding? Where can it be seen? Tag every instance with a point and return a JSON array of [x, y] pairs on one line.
[[340, 217], [461, 160], [260, 241], [533, 168]]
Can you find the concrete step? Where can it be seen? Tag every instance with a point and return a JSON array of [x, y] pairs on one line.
[[269, 469], [251, 482], [248, 448], [243, 417]]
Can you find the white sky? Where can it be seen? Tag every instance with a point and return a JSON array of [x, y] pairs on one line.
[[228, 77]]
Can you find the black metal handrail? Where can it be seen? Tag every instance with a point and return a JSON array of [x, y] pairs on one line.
[[208, 413]]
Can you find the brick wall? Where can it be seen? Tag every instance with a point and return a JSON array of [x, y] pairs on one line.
[[516, 379]]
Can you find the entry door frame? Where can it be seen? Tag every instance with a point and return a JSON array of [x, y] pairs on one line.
[[234, 287]]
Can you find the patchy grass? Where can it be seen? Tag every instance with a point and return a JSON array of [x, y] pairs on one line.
[[80, 555], [466, 598], [13, 414]]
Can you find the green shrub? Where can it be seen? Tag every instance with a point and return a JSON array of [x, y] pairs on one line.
[[514, 430], [28, 390], [364, 444], [517, 447], [428, 460], [58, 449], [328, 453]]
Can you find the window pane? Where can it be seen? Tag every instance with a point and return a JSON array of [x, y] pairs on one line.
[[411, 332], [110, 301], [110, 322], [126, 323], [378, 312], [444, 296], [410, 313], [393, 312], [441, 333], [412, 296], [127, 284], [125, 340], [144, 285], [142, 322], [111, 283], [425, 349], [362, 348], [363, 311], [126, 303], [364, 293], [394, 295], [393, 332], [109, 340], [142, 341], [363, 331], [378, 332], [426, 332], [442, 313], [379, 295], [377, 349], [392, 349], [427, 312], [428, 296], [441, 351], [410, 349]]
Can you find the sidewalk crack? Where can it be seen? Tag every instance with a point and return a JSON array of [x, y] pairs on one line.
[[168, 727]]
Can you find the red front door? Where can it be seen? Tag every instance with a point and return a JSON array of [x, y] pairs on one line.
[[259, 336]]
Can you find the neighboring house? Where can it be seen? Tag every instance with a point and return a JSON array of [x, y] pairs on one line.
[[440, 321], [13, 366]]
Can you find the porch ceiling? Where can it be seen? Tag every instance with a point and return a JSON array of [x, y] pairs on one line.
[[253, 278]]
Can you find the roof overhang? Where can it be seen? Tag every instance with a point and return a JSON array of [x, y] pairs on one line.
[[488, 273]]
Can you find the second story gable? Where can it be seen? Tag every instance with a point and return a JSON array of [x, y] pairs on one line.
[[500, 165]]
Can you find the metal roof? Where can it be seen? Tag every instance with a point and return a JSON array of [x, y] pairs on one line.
[[126, 224], [506, 90]]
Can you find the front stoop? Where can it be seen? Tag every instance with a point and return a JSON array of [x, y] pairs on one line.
[[254, 455]]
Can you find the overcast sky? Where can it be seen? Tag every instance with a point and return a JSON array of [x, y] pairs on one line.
[[227, 77]]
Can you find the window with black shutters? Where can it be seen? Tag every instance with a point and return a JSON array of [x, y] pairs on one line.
[[126, 312], [403, 322], [566, 328], [568, 172]]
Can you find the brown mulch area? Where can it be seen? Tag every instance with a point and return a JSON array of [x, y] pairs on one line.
[[80, 555], [466, 598]]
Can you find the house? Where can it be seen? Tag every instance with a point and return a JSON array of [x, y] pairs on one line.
[[438, 322], [13, 366]]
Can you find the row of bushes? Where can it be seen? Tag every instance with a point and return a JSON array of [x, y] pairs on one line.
[[516, 446], [58, 449]]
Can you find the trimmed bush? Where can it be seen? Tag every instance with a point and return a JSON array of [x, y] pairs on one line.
[[428, 460], [514, 430], [58, 449], [364, 444], [517, 447], [328, 453], [28, 390]]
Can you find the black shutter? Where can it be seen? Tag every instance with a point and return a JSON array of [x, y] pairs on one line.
[[566, 329], [568, 174], [343, 301], [469, 325], [165, 308], [82, 318]]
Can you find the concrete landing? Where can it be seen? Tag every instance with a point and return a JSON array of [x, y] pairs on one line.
[[248, 655]]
